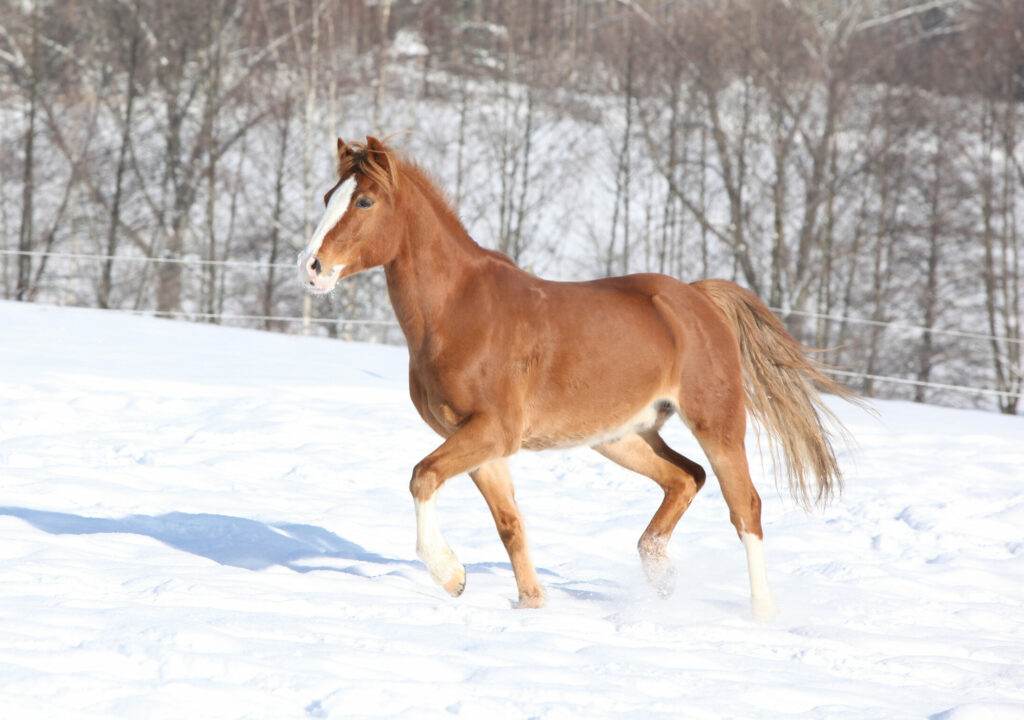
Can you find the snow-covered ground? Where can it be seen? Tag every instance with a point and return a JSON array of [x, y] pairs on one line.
[[201, 522]]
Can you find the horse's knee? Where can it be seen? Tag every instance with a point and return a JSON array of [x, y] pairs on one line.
[[424, 482]]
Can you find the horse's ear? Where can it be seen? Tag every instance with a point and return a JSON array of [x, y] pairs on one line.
[[343, 148], [377, 148], [380, 156]]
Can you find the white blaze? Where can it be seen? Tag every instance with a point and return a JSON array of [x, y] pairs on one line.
[[333, 213]]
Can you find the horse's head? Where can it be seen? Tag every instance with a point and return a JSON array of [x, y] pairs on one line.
[[357, 230]]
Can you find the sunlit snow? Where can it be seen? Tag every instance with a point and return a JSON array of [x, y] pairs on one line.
[[202, 522]]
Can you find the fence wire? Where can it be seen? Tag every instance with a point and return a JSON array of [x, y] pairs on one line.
[[257, 264]]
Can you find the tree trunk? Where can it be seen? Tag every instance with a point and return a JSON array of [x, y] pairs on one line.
[[28, 177], [106, 276]]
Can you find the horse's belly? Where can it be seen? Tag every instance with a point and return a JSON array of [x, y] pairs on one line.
[[589, 431]]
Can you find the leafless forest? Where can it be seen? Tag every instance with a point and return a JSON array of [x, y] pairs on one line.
[[857, 163]]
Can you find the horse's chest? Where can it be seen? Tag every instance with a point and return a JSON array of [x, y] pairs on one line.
[[438, 404]]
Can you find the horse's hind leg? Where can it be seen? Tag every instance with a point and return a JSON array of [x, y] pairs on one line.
[[680, 478], [495, 485], [729, 463]]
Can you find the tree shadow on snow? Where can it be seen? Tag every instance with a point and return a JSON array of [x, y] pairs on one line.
[[238, 542]]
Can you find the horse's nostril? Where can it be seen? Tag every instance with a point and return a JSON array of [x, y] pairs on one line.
[[315, 267]]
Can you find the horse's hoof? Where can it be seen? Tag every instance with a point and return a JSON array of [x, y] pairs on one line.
[[763, 609], [665, 584], [660, 574], [457, 583], [531, 600]]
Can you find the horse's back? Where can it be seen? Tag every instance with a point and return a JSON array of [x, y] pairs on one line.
[[693, 319], [639, 321]]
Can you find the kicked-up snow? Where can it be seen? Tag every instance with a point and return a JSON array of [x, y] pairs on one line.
[[201, 522]]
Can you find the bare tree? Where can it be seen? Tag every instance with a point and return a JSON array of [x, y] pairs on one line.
[[998, 69], [129, 40], [27, 67]]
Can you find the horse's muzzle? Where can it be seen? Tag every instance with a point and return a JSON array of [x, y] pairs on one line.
[[312, 276]]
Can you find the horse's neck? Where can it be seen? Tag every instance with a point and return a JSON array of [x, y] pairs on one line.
[[434, 261]]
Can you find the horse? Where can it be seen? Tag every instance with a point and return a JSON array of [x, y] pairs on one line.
[[501, 360]]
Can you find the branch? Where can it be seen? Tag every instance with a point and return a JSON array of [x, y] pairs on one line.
[[906, 13], [15, 58]]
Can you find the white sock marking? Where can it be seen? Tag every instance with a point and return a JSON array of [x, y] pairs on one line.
[[431, 546], [760, 594]]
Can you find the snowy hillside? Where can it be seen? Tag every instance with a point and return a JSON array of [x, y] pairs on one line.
[[199, 522]]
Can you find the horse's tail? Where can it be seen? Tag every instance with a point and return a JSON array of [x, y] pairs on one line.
[[780, 382]]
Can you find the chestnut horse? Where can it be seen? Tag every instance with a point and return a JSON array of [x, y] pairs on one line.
[[501, 360]]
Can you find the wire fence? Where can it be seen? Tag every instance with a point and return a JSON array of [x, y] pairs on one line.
[[185, 315], [340, 321], [146, 259], [921, 383]]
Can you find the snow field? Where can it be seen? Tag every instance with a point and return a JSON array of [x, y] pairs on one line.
[[215, 523]]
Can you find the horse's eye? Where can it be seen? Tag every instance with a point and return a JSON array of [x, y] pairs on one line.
[[364, 202]]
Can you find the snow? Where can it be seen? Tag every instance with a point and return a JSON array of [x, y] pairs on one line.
[[215, 523]]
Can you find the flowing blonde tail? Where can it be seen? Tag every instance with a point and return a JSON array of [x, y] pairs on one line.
[[781, 384]]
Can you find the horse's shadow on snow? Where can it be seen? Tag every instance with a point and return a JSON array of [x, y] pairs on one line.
[[238, 542], [252, 545]]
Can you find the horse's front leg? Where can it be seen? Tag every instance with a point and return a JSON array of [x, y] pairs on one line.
[[480, 440], [495, 484]]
